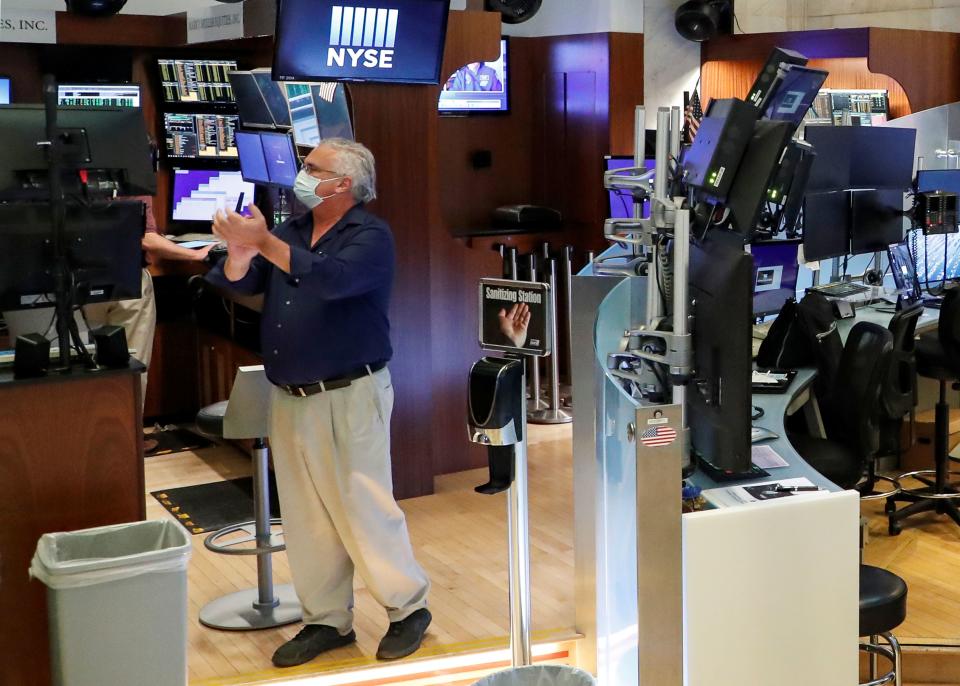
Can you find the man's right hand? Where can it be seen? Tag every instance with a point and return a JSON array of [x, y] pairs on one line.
[[238, 261]]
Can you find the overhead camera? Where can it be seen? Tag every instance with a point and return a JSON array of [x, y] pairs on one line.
[[95, 8]]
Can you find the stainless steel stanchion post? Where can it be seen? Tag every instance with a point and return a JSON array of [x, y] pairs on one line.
[[519, 557], [553, 414], [511, 262], [566, 257], [535, 403]]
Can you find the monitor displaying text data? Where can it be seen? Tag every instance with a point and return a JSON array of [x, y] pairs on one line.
[[200, 135], [196, 81]]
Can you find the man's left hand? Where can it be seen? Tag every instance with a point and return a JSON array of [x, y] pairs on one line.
[[234, 228]]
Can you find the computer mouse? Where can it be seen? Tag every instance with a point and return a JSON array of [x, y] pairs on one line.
[[758, 433]]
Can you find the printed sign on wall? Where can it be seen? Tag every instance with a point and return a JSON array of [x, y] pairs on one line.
[[220, 22], [27, 26]]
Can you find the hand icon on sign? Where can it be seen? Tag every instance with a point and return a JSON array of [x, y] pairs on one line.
[[513, 323]]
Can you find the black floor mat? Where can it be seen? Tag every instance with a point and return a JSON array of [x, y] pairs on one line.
[[208, 507], [174, 441]]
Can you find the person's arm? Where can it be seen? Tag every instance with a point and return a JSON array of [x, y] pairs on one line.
[[362, 265], [240, 272], [165, 249]]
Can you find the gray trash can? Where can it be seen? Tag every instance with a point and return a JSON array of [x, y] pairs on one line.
[[539, 675], [117, 603]]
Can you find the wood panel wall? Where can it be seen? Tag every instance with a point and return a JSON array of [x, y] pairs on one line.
[[917, 67]]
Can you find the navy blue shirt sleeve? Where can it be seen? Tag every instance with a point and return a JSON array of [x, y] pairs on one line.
[[361, 265], [253, 282]]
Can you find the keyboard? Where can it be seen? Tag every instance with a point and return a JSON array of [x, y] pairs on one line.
[[841, 289]]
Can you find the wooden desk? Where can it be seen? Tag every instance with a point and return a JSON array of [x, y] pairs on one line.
[[71, 457]]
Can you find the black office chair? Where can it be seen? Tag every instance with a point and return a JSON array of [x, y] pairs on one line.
[[898, 396], [883, 607], [851, 408], [938, 357]]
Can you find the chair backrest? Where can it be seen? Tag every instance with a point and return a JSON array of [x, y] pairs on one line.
[[948, 328], [853, 412], [900, 390]]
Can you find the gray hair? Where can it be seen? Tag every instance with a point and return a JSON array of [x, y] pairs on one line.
[[356, 161]]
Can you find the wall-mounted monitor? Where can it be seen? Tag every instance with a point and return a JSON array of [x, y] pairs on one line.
[[99, 95], [4, 90], [199, 193], [478, 87], [318, 111], [196, 81], [200, 136], [380, 41]]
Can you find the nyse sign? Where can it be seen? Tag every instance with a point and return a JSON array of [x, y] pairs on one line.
[[362, 36], [27, 26]]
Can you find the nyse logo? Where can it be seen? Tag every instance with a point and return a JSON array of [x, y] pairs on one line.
[[362, 36]]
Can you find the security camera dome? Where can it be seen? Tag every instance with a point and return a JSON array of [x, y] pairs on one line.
[[95, 8]]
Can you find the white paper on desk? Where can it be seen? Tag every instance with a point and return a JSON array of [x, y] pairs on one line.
[[738, 495], [766, 457]]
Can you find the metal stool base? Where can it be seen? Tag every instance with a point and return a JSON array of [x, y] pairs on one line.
[[236, 612], [558, 416], [920, 492], [891, 652]]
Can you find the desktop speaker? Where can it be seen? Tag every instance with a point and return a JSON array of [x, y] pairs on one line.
[[111, 342], [31, 356]]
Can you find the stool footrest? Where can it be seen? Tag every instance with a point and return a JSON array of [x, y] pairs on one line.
[[212, 543], [915, 492]]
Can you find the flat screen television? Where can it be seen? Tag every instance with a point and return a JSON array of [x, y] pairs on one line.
[[99, 95], [479, 87], [196, 81], [200, 136], [199, 193], [380, 41]]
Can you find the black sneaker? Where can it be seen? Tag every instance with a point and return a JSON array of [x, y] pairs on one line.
[[312, 640], [404, 637]]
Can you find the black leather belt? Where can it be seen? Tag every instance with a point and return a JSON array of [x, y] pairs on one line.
[[302, 391]]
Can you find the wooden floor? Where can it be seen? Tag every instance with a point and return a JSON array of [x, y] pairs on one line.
[[459, 537], [927, 556]]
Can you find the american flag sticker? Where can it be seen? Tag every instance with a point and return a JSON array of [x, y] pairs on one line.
[[658, 436]]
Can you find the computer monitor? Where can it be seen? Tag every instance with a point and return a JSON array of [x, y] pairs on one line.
[[281, 158], [904, 271], [103, 243], [318, 111], [196, 81], [938, 257], [481, 87], [200, 136], [939, 180], [273, 96], [4, 90], [775, 274], [253, 167], [826, 221], [719, 398], [381, 41], [109, 143], [99, 95], [250, 102], [876, 220], [794, 93], [620, 203], [199, 193], [849, 157]]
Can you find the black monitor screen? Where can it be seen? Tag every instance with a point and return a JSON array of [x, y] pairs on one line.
[[826, 218], [882, 157], [478, 87], [200, 135], [904, 271], [794, 94], [379, 41], [273, 96], [103, 243], [197, 81], [621, 202], [831, 167], [250, 103], [318, 111], [775, 273], [252, 165], [876, 220], [99, 95]]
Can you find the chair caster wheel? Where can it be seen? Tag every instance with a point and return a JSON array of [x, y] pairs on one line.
[[894, 529]]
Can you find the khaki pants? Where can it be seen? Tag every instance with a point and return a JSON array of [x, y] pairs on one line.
[[331, 454]]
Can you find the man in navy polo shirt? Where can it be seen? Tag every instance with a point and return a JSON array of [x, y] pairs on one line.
[[325, 337]]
